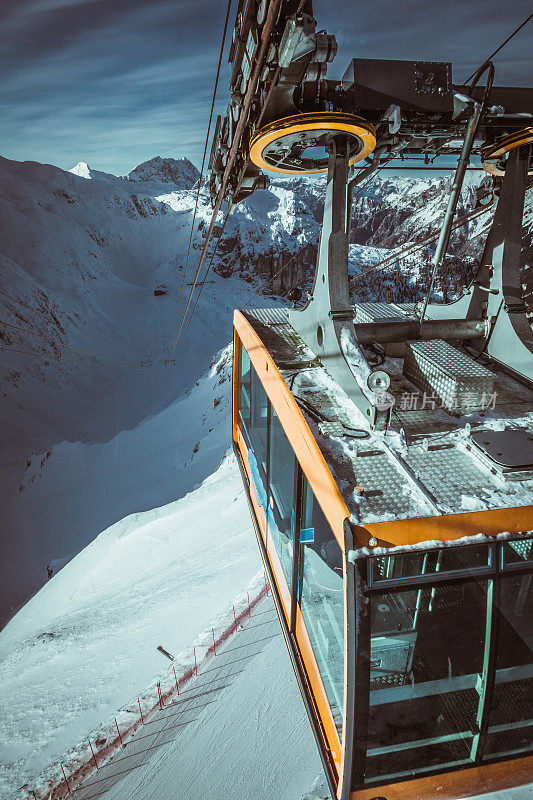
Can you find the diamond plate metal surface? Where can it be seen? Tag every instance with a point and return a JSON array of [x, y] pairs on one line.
[[438, 368], [451, 474], [406, 308], [269, 316], [278, 336], [376, 312], [388, 491]]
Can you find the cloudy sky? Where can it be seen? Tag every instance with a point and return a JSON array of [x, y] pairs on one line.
[[115, 82]]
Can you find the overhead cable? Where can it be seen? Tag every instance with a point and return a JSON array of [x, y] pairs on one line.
[[54, 357], [64, 344], [516, 30], [414, 247], [204, 279], [205, 153], [268, 27]]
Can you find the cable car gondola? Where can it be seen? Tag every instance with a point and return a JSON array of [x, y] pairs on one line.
[[399, 547], [410, 637]]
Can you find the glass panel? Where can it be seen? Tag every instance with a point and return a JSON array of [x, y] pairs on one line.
[[448, 559], [515, 552], [322, 599], [254, 422], [511, 712], [426, 661], [245, 409], [280, 511], [258, 430]]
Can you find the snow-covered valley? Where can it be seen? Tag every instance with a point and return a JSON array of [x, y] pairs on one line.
[[79, 262], [115, 468]]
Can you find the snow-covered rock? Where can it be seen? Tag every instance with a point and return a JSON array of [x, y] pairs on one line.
[[82, 169], [181, 173]]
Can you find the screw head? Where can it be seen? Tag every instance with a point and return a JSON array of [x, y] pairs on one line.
[[372, 542]]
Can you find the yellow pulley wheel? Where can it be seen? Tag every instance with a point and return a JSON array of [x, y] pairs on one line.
[[297, 145], [493, 156]]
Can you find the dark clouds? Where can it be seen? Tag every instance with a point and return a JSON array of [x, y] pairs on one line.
[[114, 82]]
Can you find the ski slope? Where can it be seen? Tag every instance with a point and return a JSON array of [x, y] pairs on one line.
[[85, 645]]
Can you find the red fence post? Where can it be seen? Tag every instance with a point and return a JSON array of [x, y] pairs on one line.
[[94, 757], [195, 664], [65, 777], [214, 643], [140, 709], [234, 617], [119, 736], [34, 795], [266, 584], [177, 682], [249, 609], [160, 696]]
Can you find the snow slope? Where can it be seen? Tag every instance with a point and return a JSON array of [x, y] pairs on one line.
[[253, 742], [85, 645]]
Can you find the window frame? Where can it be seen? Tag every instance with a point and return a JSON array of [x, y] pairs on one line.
[[289, 599], [496, 570]]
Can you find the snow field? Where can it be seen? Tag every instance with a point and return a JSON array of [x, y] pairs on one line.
[[85, 645]]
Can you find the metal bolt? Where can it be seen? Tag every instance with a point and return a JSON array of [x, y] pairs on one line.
[[372, 542]]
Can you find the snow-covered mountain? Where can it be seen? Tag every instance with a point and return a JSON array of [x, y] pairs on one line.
[[178, 173], [79, 260]]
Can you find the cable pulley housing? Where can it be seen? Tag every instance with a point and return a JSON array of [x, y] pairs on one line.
[[298, 145], [494, 156]]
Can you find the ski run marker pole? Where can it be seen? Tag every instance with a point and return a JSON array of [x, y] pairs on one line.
[[94, 757], [65, 777], [119, 736]]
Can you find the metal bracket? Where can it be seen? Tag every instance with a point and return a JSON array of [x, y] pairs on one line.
[[326, 322], [393, 115], [496, 292]]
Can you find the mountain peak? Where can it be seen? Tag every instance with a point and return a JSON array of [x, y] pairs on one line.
[[181, 172], [82, 169]]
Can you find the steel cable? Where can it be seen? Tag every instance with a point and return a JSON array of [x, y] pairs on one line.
[[54, 357], [500, 47], [272, 13], [417, 246], [64, 344], [203, 282], [202, 169]]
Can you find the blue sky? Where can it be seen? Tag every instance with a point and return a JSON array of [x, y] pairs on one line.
[[116, 82]]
